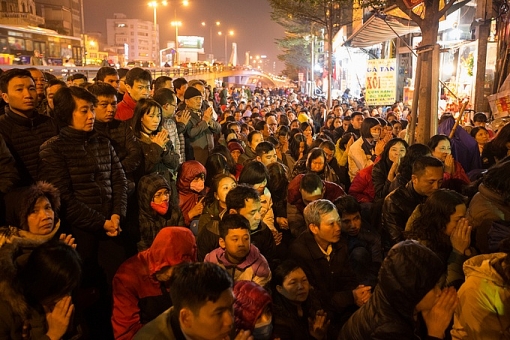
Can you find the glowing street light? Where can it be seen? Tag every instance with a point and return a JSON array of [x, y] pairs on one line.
[[154, 5]]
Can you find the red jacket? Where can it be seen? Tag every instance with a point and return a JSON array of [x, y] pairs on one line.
[[362, 186], [333, 191], [137, 296], [126, 108]]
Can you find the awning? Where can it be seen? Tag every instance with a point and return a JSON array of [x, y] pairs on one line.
[[377, 29]]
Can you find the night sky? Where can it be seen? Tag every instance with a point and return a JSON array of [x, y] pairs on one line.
[[250, 20]]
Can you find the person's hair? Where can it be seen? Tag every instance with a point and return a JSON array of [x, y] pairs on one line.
[[315, 209], [105, 71], [102, 89], [277, 182], [237, 197], [296, 140], [356, 113], [284, 120], [367, 124], [395, 122], [424, 162], [213, 189], [497, 180], [263, 148], [137, 74], [328, 145], [192, 285], [52, 271], [434, 215], [164, 96], [389, 145], [314, 154], [49, 76], [259, 126], [143, 106], [232, 221], [215, 164], [310, 182], [251, 134], [179, 82], [415, 151], [222, 149], [475, 130], [79, 76], [345, 139], [54, 82], [7, 76], [498, 144], [480, 117], [65, 102], [283, 270], [304, 125], [194, 82], [347, 205], [254, 172], [122, 72], [434, 141], [160, 81]]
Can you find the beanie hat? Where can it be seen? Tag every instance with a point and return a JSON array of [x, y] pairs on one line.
[[303, 118], [251, 299], [234, 145], [192, 92]]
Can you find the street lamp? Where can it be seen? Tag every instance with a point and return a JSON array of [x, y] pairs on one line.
[[226, 38], [176, 24], [154, 5], [210, 33]]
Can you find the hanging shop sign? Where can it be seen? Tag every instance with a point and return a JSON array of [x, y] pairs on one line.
[[381, 82]]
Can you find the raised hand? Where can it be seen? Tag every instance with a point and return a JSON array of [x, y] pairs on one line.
[[58, 318], [318, 327], [439, 316], [449, 164], [183, 117], [461, 236], [161, 138], [361, 295], [68, 239]]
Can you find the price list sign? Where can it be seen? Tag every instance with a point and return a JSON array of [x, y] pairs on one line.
[[381, 82]]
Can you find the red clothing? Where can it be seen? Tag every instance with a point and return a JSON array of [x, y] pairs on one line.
[[333, 191], [187, 197], [456, 180], [362, 186], [126, 108], [137, 296]]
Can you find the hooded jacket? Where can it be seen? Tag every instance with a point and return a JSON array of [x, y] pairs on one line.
[[407, 274], [150, 221], [254, 267], [187, 197], [484, 301], [137, 296], [251, 300]]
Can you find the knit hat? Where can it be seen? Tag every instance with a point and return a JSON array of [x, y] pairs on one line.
[[302, 118], [251, 300], [234, 145], [192, 92]]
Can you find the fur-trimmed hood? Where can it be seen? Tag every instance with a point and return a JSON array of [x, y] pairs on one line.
[[19, 202]]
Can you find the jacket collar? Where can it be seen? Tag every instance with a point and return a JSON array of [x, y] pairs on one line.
[[314, 248], [24, 121], [130, 102], [71, 134]]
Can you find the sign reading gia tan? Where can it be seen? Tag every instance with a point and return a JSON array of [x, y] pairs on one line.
[[381, 82]]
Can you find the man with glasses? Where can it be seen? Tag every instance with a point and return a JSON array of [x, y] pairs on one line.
[[138, 85]]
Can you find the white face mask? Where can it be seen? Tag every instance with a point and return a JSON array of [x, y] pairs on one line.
[[375, 136]]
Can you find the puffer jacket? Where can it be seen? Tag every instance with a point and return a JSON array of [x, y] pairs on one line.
[[397, 208], [251, 300], [187, 197], [150, 221], [407, 274], [157, 159], [138, 297], [123, 141], [24, 136], [254, 267], [362, 186], [484, 300], [486, 207], [88, 174], [8, 173]]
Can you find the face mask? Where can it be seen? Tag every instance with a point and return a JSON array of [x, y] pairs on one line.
[[375, 136], [197, 186], [160, 208], [263, 331]]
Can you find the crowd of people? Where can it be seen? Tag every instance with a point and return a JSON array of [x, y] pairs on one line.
[[140, 208]]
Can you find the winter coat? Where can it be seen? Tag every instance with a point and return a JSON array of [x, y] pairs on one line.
[[332, 192], [88, 174], [123, 141], [254, 267], [24, 136], [407, 274], [150, 222], [126, 108], [200, 133], [357, 158], [456, 181], [334, 280], [397, 208], [187, 197], [328, 174], [362, 186], [247, 156], [266, 209], [250, 302], [486, 207], [8, 172], [157, 159], [380, 180], [484, 301], [138, 297], [165, 327]]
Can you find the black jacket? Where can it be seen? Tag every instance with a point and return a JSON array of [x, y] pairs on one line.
[[334, 280], [397, 208], [24, 136], [408, 273], [89, 176]]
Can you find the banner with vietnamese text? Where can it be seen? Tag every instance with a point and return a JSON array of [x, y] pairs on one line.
[[381, 82]]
